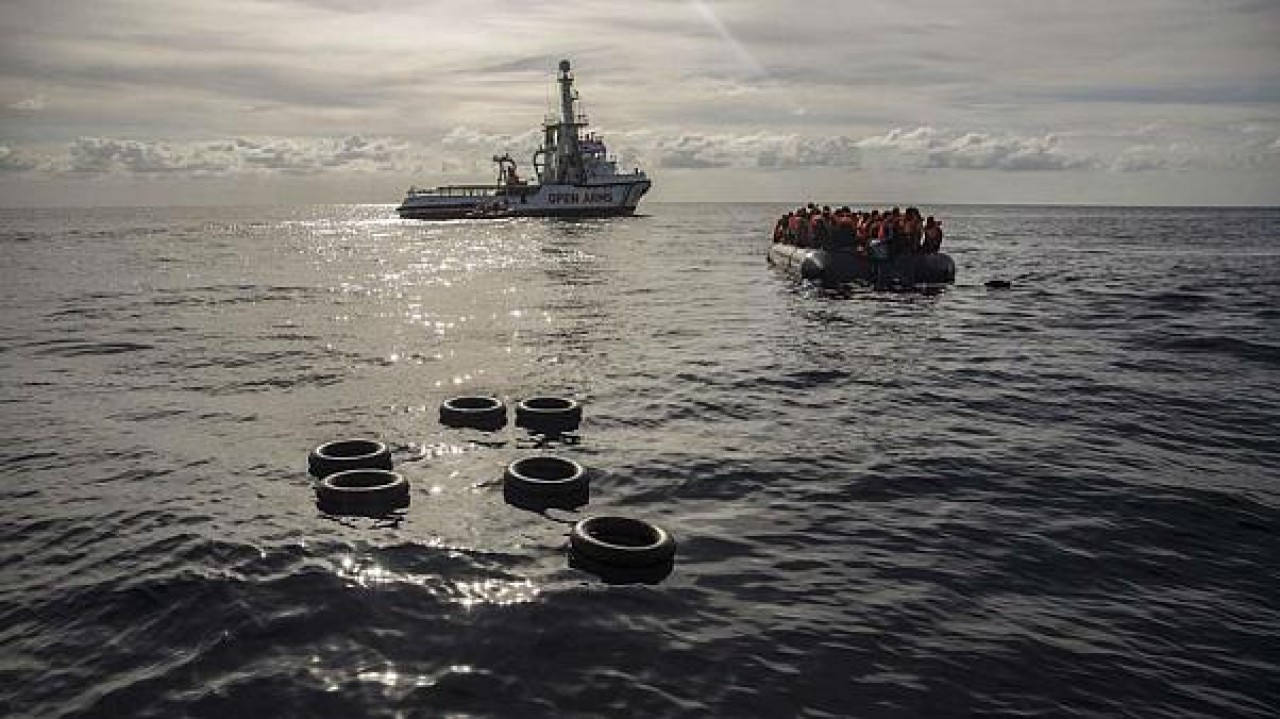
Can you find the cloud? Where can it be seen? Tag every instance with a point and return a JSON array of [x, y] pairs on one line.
[[931, 148], [1232, 152], [465, 151], [978, 151], [919, 139], [97, 156], [1258, 155], [469, 137], [35, 103], [821, 151], [693, 151], [755, 150], [16, 161], [1148, 158]]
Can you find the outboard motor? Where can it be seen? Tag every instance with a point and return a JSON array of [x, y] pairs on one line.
[[935, 269]]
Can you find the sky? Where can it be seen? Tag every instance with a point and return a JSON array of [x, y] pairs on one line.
[[194, 102]]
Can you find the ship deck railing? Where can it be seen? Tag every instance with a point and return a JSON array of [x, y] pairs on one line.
[[550, 121], [454, 191]]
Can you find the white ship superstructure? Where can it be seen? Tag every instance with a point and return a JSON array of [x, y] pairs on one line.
[[575, 177]]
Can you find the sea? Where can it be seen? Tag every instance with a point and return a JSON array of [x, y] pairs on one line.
[[1059, 499]]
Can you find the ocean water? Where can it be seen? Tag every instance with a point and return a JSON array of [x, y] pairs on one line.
[[1061, 499]]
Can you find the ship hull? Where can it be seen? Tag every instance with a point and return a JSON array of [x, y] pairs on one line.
[[474, 212], [601, 200]]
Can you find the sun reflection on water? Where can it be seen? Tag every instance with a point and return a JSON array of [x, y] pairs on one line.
[[365, 572]]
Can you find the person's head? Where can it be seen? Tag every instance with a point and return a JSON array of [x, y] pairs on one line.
[[896, 212], [929, 221]]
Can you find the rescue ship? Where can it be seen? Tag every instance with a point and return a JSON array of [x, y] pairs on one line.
[[575, 177]]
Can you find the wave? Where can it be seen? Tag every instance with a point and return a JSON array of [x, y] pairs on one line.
[[74, 348], [1235, 347]]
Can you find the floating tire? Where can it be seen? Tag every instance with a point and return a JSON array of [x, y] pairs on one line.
[[622, 542], [488, 413], [545, 476], [362, 491], [549, 414], [347, 454]]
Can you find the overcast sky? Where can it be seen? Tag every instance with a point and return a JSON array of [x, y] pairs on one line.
[[231, 101]]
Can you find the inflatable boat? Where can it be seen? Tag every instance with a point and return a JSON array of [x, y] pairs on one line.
[[838, 266]]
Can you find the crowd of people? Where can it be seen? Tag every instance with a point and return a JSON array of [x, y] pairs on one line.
[[879, 234]]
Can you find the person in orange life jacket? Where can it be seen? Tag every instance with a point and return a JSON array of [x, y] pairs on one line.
[[806, 229], [932, 235], [795, 221], [861, 231], [889, 231], [842, 233], [887, 221], [873, 226], [819, 227], [911, 231], [897, 239]]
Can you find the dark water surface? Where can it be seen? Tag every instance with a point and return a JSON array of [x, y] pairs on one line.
[[1061, 499]]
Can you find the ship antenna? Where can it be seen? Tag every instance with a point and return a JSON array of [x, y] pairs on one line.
[[568, 158]]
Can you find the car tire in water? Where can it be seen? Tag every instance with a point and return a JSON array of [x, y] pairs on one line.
[[362, 491], [622, 542], [549, 414], [545, 475], [487, 413], [346, 454]]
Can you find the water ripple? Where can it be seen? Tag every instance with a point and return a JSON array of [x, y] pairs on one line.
[[1056, 500]]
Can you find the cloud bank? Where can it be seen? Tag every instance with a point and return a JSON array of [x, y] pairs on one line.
[[88, 156], [928, 147], [466, 151]]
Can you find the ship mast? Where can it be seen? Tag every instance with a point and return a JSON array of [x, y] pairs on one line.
[[568, 155]]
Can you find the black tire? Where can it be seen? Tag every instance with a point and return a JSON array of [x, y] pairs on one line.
[[612, 574], [346, 454], [362, 491], [549, 414], [487, 413], [622, 542], [545, 476]]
